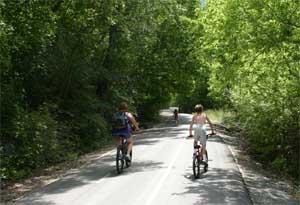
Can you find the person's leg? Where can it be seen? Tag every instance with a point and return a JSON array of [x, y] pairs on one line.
[[118, 141], [203, 142], [130, 144], [203, 150], [197, 137]]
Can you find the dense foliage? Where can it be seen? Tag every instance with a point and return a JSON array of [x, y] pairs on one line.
[[253, 50], [65, 65]]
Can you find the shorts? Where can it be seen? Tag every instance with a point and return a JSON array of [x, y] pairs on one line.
[[200, 134], [126, 132]]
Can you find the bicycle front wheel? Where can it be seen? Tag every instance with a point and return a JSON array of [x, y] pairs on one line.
[[119, 160]]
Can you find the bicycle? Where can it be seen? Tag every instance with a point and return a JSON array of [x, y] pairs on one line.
[[198, 160], [121, 156]]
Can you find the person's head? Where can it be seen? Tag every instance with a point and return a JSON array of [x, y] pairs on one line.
[[175, 110], [199, 108], [123, 106]]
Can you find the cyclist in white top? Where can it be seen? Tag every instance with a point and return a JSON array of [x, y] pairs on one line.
[[199, 120]]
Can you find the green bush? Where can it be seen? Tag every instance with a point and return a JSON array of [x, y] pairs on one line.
[[94, 132], [36, 141]]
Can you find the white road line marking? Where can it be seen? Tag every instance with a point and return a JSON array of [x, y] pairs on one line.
[[167, 172], [235, 160], [243, 175]]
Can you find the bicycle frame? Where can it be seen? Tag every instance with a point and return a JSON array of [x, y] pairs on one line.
[[124, 145], [121, 155], [198, 148], [198, 160]]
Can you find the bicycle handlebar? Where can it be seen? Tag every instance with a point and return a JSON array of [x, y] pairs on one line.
[[210, 134]]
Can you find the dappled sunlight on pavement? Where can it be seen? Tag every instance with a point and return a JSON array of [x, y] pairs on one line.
[[161, 173]]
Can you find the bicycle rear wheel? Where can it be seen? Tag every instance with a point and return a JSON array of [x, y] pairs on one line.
[[205, 167], [206, 163], [196, 167], [128, 163], [119, 160]]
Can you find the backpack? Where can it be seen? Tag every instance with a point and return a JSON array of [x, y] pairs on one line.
[[120, 120]]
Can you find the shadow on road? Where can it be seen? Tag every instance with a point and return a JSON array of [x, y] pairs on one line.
[[91, 174], [210, 185], [105, 167], [217, 186]]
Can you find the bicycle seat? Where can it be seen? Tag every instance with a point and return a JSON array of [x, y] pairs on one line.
[[197, 146]]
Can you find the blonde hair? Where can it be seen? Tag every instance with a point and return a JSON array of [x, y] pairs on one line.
[[199, 108]]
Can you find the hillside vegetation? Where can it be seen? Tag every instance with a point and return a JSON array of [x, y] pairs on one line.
[[65, 66]]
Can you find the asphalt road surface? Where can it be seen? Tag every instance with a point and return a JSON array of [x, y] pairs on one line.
[[161, 174]]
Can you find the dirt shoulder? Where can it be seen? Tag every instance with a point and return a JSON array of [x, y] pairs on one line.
[[264, 186]]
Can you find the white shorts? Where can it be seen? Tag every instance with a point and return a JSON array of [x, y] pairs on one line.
[[200, 134]]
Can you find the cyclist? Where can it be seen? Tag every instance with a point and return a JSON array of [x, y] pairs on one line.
[[199, 119], [176, 116], [122, 128]]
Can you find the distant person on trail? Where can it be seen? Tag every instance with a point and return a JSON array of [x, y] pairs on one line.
[[176, 116], [122, 128], [199, 119]]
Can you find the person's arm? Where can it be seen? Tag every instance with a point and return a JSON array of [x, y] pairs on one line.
[[191, 126], [133, 121], [210, 124]]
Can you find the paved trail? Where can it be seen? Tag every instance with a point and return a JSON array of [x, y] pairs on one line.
[[161, 174]]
